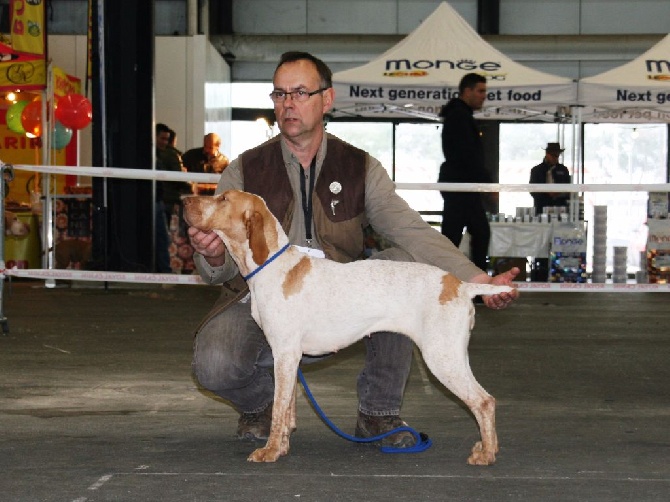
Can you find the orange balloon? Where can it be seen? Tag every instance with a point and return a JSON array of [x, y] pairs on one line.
[[74, 111], [31, 118]]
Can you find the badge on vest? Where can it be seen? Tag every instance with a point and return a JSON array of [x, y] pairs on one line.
[[335, 188]]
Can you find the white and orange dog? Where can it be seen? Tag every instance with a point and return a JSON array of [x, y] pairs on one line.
[[317, 306]]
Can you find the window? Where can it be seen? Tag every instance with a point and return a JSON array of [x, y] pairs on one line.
[[614, 154], [521, 148], [630, 154]]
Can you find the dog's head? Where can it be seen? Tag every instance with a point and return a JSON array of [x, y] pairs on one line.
[[241, 219]]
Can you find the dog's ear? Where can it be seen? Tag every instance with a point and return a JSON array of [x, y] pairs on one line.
[[256, 235]]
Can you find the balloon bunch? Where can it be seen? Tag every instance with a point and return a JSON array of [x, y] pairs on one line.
[[73, 112]]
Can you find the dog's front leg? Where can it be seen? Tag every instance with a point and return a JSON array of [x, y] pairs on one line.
[[290, 420], [286, 368]]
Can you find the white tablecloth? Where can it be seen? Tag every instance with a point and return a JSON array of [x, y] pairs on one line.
[[520, 239]]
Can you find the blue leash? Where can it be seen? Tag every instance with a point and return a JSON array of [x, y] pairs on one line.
[[423, 442]]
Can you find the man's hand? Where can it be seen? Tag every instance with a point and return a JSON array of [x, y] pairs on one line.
[[209, 245], [502, 300]]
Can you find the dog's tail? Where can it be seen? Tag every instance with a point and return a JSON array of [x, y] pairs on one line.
[[471, 289]]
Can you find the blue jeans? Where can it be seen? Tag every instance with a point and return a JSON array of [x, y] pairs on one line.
[[232, 359]]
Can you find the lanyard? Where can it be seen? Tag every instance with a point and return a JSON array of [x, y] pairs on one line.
[[307, 199]]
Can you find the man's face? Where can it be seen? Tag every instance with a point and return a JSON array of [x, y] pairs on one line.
[[551, 158], [300, 119], [210, 147], [162, 140], [475, 97]]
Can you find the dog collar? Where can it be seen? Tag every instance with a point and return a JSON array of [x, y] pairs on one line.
[[267, 262]]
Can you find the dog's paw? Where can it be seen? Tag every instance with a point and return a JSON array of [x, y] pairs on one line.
[[264, 455], [480, 456]]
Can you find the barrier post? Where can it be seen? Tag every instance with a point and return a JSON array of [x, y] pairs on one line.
[[5, 169]]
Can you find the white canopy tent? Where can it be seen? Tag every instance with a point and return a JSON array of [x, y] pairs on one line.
[[421, 73], [637, 92]]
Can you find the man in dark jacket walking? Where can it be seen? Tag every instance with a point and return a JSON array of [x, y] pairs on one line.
[[464, 163]]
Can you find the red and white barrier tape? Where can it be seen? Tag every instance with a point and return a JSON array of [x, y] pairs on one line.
[[117, 172], [150, 174], [133, 277], [92, 275], [568, 287]]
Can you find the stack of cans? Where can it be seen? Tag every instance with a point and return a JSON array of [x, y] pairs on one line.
[[620, 273], [599, 274], [641, 275]]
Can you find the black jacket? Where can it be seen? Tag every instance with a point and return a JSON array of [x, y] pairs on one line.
[[462, 146], [538, 174]]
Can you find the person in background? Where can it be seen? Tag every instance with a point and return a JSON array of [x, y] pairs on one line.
[[176, 189], [207, 159], [550, 171], [162, 235], [464, 163], [172, 145], [324, 191]]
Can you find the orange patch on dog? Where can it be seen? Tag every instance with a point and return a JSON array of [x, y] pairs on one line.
[[450, 285], [295, 277]]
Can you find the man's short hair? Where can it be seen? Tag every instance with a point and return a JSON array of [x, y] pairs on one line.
[[325, 73], [470, 81], [160, 128]]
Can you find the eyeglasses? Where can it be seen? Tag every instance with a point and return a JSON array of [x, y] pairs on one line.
[[300, 95]]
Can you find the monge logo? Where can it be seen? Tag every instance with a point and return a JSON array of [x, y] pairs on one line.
[[656, 67], [566, 241], [398, 66]]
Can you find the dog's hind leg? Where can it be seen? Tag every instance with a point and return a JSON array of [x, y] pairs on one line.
[[286, 368], [450, 366]]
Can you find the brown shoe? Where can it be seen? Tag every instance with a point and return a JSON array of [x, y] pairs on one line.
[[369, 426], [255, 426]]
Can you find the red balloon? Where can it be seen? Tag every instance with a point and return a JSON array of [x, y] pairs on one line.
[[74, 111], [31, 118]]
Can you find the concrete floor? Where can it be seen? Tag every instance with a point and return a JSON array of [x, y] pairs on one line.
[[97, 403]]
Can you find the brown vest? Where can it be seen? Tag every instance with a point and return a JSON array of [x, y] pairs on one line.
[[339, 227]]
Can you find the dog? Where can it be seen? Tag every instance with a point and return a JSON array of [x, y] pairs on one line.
[[307, 305]]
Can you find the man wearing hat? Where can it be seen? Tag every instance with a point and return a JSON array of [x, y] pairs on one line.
[[550, 171]]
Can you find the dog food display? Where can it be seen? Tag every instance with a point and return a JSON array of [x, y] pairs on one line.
[[567, 256], [73, 229], [658, 251]]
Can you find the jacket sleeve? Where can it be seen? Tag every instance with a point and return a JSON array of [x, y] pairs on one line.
[[231, 179], [391, 216]]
